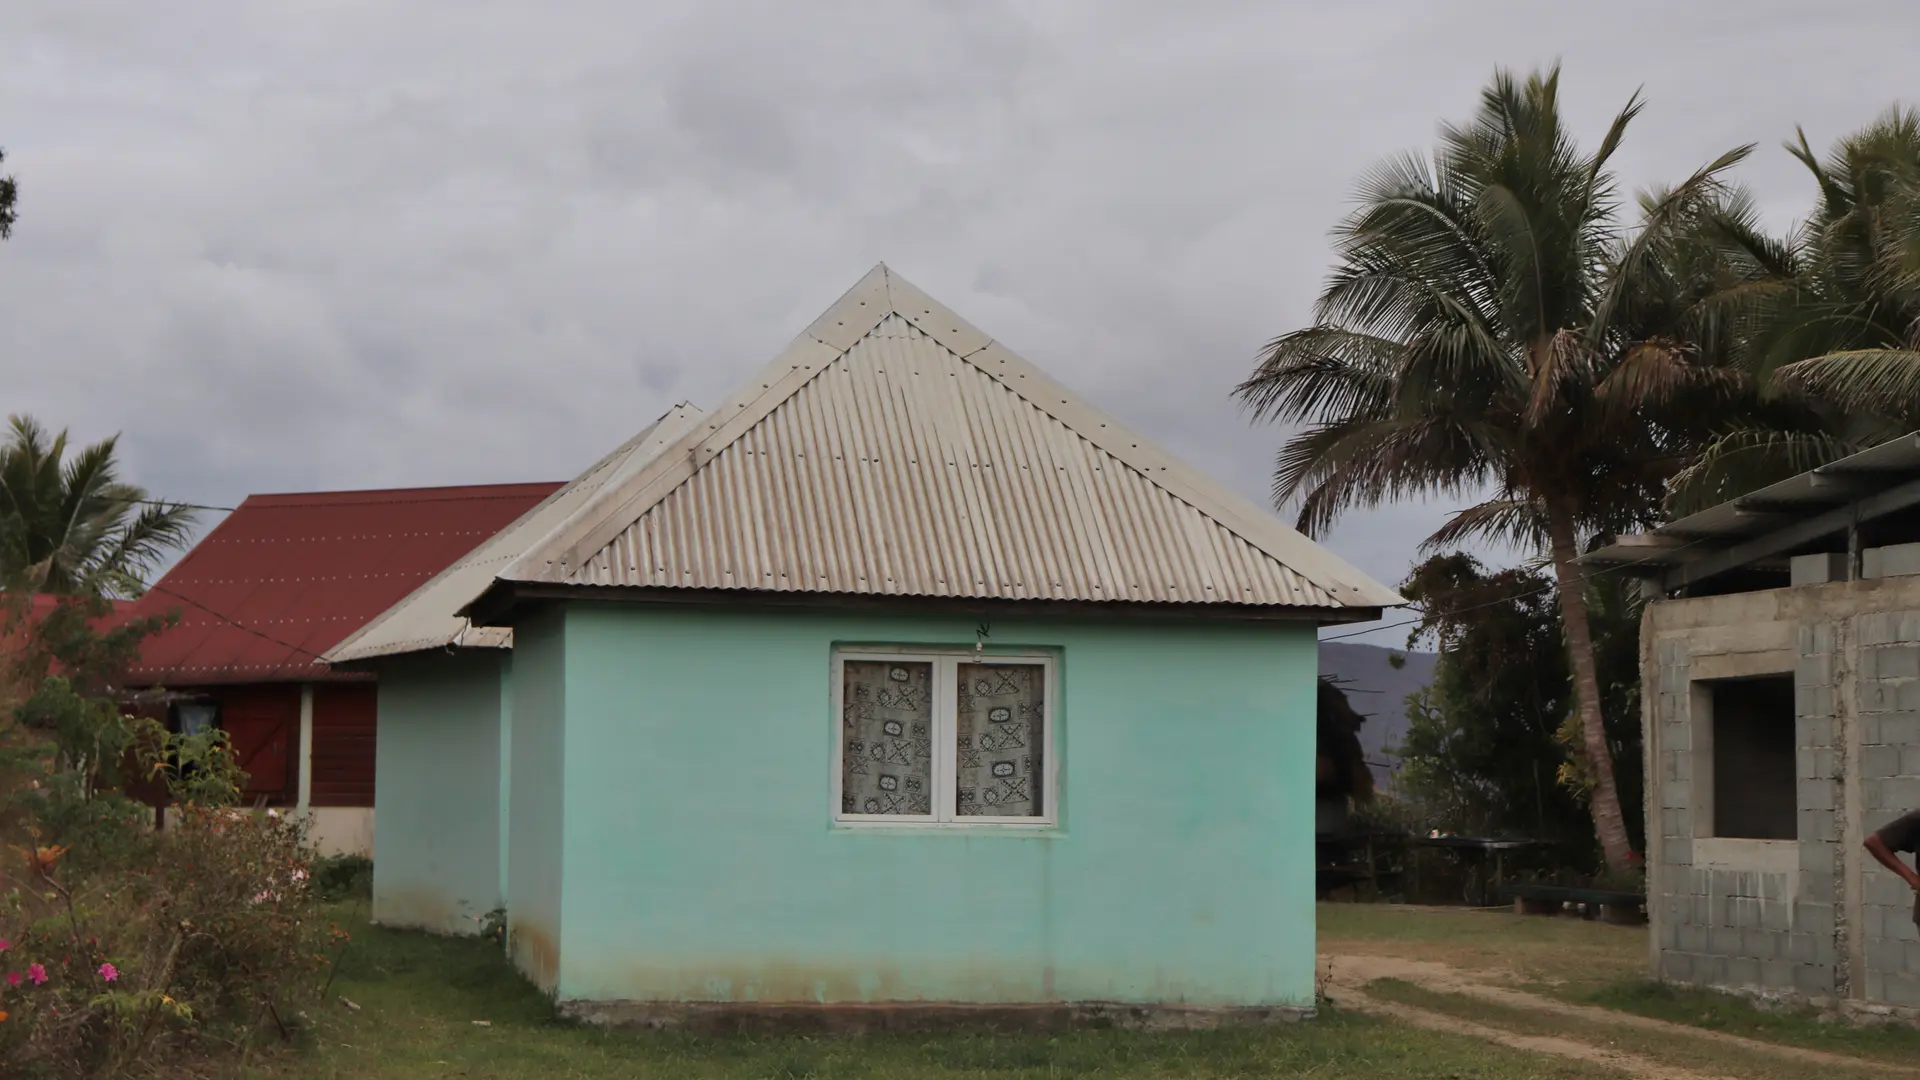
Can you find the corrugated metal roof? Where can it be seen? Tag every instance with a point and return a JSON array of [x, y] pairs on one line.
[[893, 449], [1817, 490], [428, 618], [284, 577]]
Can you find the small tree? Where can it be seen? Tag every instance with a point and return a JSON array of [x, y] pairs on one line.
[[1493, 745]]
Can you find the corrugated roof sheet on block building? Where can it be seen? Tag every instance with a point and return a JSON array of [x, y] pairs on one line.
[[428, 617], [893, 449], [285, 577]]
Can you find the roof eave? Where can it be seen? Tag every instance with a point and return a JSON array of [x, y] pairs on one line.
[[505, 601]]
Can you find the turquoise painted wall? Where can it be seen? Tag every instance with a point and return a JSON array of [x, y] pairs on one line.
[[701, 862], [506, 763], [535, 806], [436, 857]]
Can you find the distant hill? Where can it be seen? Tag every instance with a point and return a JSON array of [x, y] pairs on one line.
[[1378, 691]]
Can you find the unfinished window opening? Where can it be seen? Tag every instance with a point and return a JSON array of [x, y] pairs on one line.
[[1753, 758], [946, 739]]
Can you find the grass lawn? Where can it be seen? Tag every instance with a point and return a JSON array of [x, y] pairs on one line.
[[1587, 963], [1898, 1043], [419, 997], [1565, 952]]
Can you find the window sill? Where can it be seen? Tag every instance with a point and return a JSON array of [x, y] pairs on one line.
[[1045, 830], [1735, 853]]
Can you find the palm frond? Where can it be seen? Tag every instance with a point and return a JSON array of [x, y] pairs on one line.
[[1516, 522], [1885, 381], [134, 548], [1746, 459], [69, 525], [1642, 254], [1656, 371], [1321, 370]]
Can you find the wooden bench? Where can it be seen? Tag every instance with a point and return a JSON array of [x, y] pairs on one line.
[[1612, 905]]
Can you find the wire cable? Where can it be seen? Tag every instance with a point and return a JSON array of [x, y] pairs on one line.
[[1583, 579], [237, 624]]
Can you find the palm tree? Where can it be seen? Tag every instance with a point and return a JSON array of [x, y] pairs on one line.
[[70, 525], [1829, 317], [1849, 329], [1491, 327]]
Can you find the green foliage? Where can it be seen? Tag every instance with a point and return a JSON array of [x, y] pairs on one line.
[[343, 877], [1848, 329], [9, 194], [66, 747], [1487, 748], [71, 525], [1825, 322], [126, 949]]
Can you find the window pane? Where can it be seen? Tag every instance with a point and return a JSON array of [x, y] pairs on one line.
[[196, 718], [1001, 733], [886, 723]]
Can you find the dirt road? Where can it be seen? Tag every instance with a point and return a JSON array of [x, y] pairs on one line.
[[1544, 1025]]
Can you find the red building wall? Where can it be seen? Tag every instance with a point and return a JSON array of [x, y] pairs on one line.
[[344, 725], [262, 722]]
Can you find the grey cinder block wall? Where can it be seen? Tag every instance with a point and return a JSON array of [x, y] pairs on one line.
[[1801, 911]]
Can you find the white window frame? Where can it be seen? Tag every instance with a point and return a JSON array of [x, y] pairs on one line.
[[946, 757]]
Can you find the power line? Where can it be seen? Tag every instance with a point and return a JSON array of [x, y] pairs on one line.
[[237, 624], [1583, 579], [182, 505]]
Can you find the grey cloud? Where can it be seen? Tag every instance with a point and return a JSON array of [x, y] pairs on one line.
[[372, 243]]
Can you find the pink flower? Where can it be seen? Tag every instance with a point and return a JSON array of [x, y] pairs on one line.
[[13, 978], [36, 974], [5, 944], [109, 972]]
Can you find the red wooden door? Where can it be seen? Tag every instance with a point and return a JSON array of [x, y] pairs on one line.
[[263, 727]]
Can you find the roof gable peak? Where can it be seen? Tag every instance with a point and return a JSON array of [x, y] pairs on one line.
[[837, 333]]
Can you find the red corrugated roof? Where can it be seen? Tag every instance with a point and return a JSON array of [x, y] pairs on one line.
[[299, 572]]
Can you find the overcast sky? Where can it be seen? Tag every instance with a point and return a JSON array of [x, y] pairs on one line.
[[362, 244]]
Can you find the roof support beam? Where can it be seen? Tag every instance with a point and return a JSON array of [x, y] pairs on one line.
[[1791, 536]]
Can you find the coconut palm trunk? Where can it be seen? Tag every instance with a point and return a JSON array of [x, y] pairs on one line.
[[1609, 822]]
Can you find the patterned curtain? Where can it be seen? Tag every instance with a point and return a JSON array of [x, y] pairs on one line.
[[886, 731], [1001, 734]]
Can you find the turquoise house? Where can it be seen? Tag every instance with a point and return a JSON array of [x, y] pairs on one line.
[[904, 679]]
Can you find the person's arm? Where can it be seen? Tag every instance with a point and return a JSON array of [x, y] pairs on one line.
[[1885, 855]]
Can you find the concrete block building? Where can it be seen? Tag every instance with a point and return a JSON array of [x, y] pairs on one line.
[[1781, 696]]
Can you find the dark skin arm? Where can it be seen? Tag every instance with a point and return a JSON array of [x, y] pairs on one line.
[[1888, 858]]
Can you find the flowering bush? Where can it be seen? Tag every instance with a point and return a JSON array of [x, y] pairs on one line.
[[209, 940], [123, 949]]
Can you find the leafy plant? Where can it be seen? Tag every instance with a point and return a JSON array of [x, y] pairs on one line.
[[343, 877], [123, 948]]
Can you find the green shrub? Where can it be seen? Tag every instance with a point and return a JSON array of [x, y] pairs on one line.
[[343, 877], [126, 951]]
